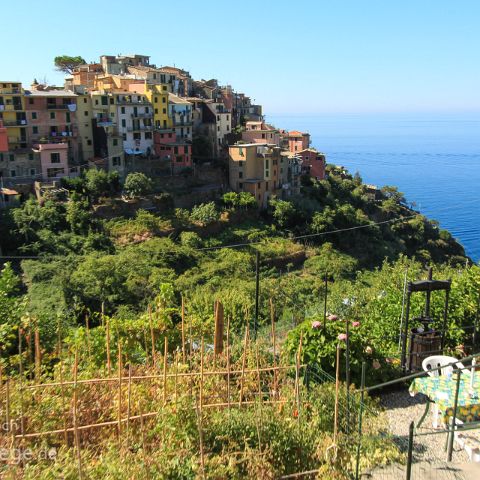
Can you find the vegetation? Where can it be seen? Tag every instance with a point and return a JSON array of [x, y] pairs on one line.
[[137, 184], [67, 63], [128, 276]]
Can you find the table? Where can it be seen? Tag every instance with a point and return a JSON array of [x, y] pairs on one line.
[[441, 391]]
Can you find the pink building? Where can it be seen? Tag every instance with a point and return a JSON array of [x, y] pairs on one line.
[[167, 147], [297, 141], [260, 132], [3, 138], [53, 159], [313, 163]]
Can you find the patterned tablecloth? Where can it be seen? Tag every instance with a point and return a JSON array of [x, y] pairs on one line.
[[441, 390]]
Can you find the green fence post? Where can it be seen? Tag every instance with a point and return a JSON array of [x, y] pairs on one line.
[[452, 429], [410, 451], [360, 417]]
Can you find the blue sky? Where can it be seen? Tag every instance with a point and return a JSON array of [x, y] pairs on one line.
[[296, 57]]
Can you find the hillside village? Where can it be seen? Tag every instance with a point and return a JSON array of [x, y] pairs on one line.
[[124, 114]]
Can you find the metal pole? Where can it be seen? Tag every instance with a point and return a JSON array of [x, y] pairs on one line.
[[452, 429], [429, 293], [403, 307], [360, 417], [257, 292], [347, 372], [410, 451], [404, 339], [445, 314]]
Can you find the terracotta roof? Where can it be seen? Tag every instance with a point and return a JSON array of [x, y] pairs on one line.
[[295, 133], [7, 191]]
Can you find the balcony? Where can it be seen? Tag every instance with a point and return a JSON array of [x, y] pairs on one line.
[[10, 91], [130, 101], [142, 115], [9, 107], [58, 106], [15, 123], [140, 128]]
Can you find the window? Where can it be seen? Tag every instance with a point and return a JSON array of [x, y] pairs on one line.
[[33, 172], [11, 157], [169, 135], [85, 113], [124, 136], [228, 128], [240, 163], [263, 135], [164, 111], [240, 185], [34, 130], [228, 118], [218, 128], [1, 157], [218, 118], [122, 110], [30, 156], [156, 111], [175, 149], [137, 136], [148, 135], [259, 185], [96, 102], [267, 162], [164, 100], [115, 142], [178, 159], [240, 174], [147, 110], [67, 117], [55, 157], [13, 173], [116, 161], [104, 100], [52, 115], [84, 100], [124, 122], [155, 99], [31, 101], [164, 88], [154, 76], [34, 115], [266, 185], [89, 143], [112, 101]]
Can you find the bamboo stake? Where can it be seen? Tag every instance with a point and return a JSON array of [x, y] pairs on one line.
[[150, 377], [75, 416], [165, 360], [152, 334], [87, 331], [64, 403], [38, 355], [228, 362], [297, 375], [7, 404], [258, 373], [176, 379], [244, 360], [200, 432], [144, 451], [119, 391], [274, 346], [129, 405], [219, 325], [20, 368], [183, 330], [103, 314], [201, 376], [107, 340]]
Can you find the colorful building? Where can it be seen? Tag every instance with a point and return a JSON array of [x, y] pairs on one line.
[[12, 113], [168, 147], [297, 141], [180, 113], [255, 168], [260, 132], [313, 163], [157, 95], [53, 159]]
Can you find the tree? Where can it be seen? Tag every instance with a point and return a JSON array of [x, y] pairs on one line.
[[230, 199], [205, 213], [78, 214], [66, 63], [137, 184], [283, 212], [246, 200]]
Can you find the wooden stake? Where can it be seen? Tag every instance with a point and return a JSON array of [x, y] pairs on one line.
[[38, 356], [75, 415], [219, 324], [119, 417], [183, 331], [107, 341], [244, 361], [129, 401], [258, 373], [87, 331], [201, 376], [165, 362], [152, 335], [297, 375], [228, 362], [7, 404], [144, 450], [64, 403], [176, 378], [200, 433], [20, 369], [274, 346]]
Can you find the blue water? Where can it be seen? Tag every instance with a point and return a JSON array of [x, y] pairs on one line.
[[433, 159]]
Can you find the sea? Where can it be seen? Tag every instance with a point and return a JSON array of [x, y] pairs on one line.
[[434, 159]]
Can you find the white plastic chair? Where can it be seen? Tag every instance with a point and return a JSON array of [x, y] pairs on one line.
[[436, 361]]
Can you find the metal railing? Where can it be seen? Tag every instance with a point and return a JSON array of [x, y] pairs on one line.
[[58, 106]]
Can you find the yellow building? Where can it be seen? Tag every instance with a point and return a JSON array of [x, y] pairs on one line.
[[85, 133], [157, 95], [12, 112]]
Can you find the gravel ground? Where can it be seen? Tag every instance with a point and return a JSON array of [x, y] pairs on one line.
[[429, 450]]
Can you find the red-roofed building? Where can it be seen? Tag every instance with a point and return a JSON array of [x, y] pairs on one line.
[[297, 141], [313, 163], [167, 147]]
